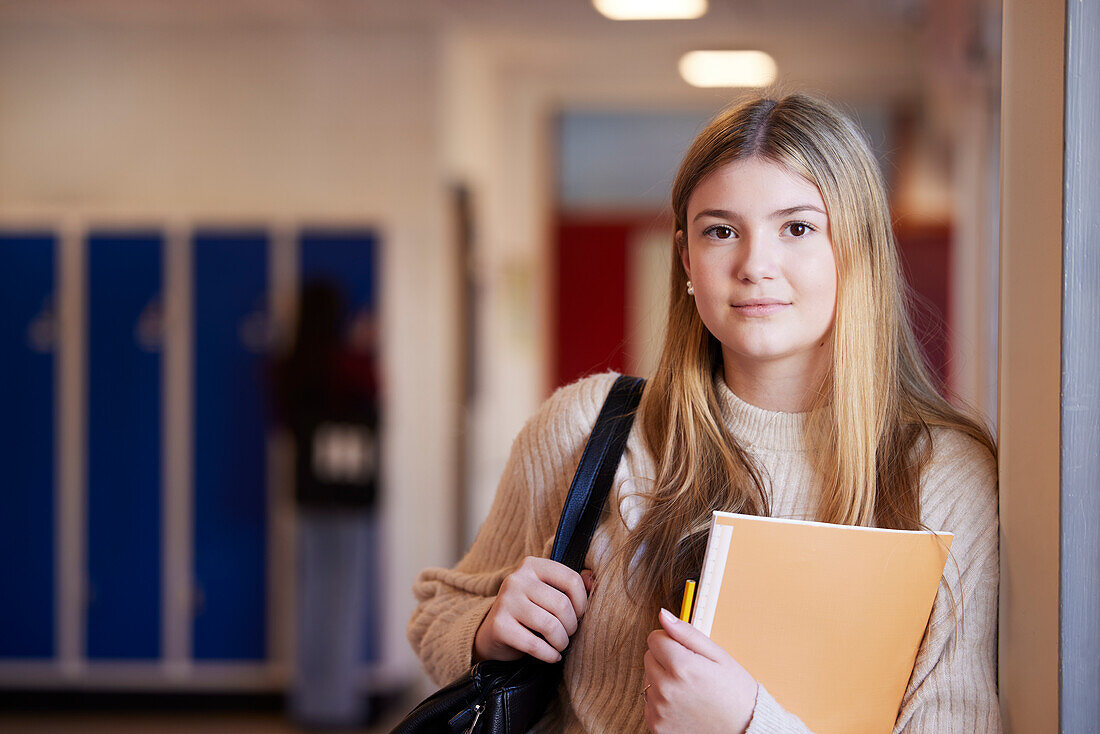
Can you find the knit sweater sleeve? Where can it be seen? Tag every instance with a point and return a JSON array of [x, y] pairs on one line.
[[451, 603], [953, 686]]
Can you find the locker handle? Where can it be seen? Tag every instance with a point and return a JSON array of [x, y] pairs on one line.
[[149, 329], [198, 600], [256, 332], [42, 329]]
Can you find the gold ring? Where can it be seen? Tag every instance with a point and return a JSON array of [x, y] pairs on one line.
[[645, 691]]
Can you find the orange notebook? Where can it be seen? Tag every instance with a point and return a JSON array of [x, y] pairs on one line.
[[827, 617]]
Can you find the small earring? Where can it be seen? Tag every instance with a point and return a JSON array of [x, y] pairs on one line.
[[691, 289]]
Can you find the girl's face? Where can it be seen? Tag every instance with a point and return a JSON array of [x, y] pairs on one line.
[[758, 254]]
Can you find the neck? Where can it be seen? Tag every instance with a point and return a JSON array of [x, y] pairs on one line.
[[786, 386]]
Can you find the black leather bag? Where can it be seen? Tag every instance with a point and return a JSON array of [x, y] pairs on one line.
[[497, 697]]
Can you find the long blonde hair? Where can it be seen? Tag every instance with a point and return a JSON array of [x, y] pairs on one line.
[[865, 425]]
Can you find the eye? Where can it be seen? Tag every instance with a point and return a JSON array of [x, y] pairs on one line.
[[799, 229], [719, 231]]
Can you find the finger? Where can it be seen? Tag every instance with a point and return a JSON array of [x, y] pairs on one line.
[[502, 637], [691, 638], [667, 652], [589, 580], [654, 684], [537, 619], [523, 640], [562, 578], [558, 604], [654, 670], [650, 713]]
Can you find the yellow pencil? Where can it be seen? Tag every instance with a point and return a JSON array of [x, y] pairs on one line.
[[689, 597]]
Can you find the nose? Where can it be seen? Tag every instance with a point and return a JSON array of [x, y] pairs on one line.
[[755, 259]]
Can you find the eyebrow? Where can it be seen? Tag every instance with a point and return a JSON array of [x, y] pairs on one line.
[[726, 214], [795, 209]]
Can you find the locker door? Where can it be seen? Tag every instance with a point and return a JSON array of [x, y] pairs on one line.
[[27, 335], [124, 444], [348, 257], [231, 335]]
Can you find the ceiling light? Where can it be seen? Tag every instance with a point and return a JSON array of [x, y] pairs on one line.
[[728, 68], [651, 9]]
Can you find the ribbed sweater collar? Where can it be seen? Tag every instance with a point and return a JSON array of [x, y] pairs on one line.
[[759, 428]]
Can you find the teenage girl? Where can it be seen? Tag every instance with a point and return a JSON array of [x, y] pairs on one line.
[[790, 385]]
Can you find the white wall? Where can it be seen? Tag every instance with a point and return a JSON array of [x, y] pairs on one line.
[[497, 139]]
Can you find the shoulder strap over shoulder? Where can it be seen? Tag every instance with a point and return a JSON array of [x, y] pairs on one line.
[[596, 471]]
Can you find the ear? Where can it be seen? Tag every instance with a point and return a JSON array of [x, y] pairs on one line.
[[682, 248]]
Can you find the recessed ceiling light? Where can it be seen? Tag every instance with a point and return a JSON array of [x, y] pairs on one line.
[[728, 68], [651, 9]]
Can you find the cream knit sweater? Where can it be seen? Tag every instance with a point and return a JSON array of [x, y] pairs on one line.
[[953, 685]]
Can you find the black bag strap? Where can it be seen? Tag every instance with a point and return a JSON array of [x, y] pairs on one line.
[[592, 481]]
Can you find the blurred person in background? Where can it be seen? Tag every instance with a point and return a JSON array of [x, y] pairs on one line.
[[327, 396]]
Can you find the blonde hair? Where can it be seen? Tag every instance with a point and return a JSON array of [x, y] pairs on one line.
[[865, 442]]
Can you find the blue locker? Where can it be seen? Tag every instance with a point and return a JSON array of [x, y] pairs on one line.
[[349, 258], [27, 343], [231, 328], [124, 444]]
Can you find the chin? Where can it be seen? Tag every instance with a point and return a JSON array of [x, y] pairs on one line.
[[764, 353], [759, 355]]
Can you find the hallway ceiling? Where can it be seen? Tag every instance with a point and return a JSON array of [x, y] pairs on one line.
[[849, 48], [555, 14]]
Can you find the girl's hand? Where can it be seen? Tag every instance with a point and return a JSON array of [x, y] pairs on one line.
[[692, 684], [535, 613]]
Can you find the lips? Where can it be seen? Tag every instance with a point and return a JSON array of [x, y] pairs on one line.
[[760, 306]]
